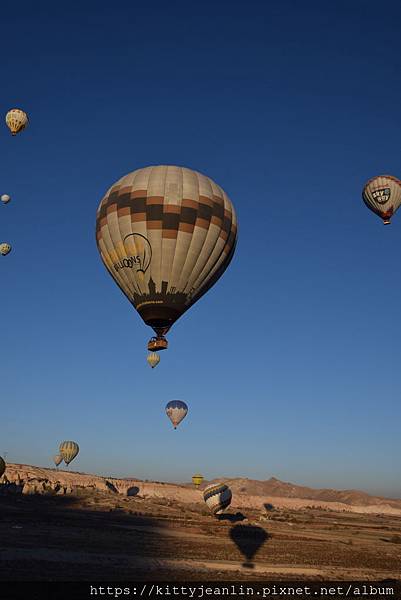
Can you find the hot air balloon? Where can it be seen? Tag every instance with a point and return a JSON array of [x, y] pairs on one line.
[[176, 410], [382, 195], [57, 459], [68, 451], [5, 248], [16, 120], [2, 466], [217, 497], [153, 359], [5, 198], [165, 234], [197, 480]]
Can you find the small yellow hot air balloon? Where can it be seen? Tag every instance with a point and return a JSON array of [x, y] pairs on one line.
[[5, 198], [153, 359], [16, 120], [197, 480], [5, 248]]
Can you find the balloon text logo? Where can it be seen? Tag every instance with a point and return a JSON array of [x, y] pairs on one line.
[[382, 196], [139, 253]]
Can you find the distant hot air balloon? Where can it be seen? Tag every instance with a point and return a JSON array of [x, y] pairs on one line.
[[153, 359], [197, 480], [5, 198], [217, 497], [5, 248], [176, 410], [57, 459], [16, 120], [165, 234], [2, 466], [68, 451], [382, 195]]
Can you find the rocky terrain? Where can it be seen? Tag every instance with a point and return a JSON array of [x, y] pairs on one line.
[[27, 479], [63, 525]]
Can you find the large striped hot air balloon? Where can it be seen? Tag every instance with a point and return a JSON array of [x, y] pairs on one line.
[[176, 410], [217, 497], [165, 234], [382, 195], [68, 451]]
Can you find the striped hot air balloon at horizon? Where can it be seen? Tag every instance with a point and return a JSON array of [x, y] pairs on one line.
[[176, 410], [165, 234], [68, 451], [197, 479], [382, 195], [217, 497]]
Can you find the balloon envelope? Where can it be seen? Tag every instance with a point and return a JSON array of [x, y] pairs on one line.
[[197, 479], [5, 198], [217, 497], [153, 359], [16, 120], [68, 451], [5, 248], [2, 466], [176, 411], [382, 195], [57, 459], [165, 234]]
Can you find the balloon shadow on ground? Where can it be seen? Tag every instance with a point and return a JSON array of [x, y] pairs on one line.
[[269, 507], [248, 538], [133, 491], [230, 517]]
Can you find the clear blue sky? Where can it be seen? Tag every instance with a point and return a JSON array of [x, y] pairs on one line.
[[291, 364]]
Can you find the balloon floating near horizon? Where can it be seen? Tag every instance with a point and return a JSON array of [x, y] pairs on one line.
[[153, 359], [176, 410], [217, 497], [165, 234], [16, 120], [2, 466], [5, 249], [197, 480], [5, 198], [68, 451], [382, 195], [57, 459]]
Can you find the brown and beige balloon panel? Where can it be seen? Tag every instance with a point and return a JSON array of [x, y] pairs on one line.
[[16, 121]]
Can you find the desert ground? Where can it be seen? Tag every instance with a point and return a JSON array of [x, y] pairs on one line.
[[58, 525]]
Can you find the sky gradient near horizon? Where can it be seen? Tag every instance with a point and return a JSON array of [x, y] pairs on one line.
[[290, 364]]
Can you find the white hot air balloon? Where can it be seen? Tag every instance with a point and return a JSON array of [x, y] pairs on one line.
[[5, 198], [217, 497], [176, 411], [153, 359], [5, 248], [382, 195]]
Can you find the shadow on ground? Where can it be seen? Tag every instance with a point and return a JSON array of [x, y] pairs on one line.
[[249, 539]]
